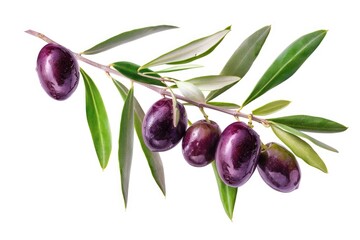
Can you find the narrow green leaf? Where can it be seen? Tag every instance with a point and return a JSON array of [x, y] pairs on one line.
[[130, 70], [176, 68], [300, 148], [310, 123], [271, 107], [227, 193], [224, 105], [303, 135], [287, 63], [242, 59], [126, 141], [194, 50], [153, 158], [190, 91], [213, 82], [126, 37], [97, 120]]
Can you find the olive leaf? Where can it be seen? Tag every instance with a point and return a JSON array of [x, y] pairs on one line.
[[153, 158], [310, 123], [126, 141], [175, 68], [300, 148], [130, 70], [303, 135], [190, 91], [242, 59], [227, 193], [212, 82], [227, 105], [126, 37], [287, 63], [187, 53], [97, 120], [271, 107]]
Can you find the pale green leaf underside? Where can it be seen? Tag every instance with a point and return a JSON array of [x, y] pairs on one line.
[[191, 51], [303, 135], [212, 82], [190, 91], [300, 148], [176, 68], [97, 120], [126, 37]]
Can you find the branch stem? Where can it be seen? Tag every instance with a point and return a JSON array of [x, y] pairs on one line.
[[162, 91]]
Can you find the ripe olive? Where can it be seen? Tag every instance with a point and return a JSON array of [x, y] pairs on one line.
[[158, 128], [237, 154], [200, 142], [278, 168], [58, 71]]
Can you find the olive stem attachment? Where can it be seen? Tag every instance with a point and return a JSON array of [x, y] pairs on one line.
[[161, 91], [204, 114]]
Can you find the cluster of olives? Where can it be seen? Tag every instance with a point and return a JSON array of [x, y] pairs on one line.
[[237, 150]]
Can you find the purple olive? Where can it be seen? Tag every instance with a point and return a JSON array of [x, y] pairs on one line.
[[200, 142], [158, 128], [237, 154], [58, 71], [278, 168]]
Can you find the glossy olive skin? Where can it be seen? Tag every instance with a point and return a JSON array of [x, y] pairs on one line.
[[200, 142], [158, 129], [278, 168], [237, 154], [58, 71]]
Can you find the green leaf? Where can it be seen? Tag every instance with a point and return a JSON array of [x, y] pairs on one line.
[[153, 158], [310, 123], [242, 59], [190, 91], [213, 82], [126, 37], [97, 120], [303, 135], [130, 70], [224, 105], [194, 50], [300, 148], [126, 141], [177, 68], [271, 107], [287, 63], [227, 193]]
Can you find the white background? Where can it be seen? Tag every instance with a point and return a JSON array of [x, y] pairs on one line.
[[51, 184]]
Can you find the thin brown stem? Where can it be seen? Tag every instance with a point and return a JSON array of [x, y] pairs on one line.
[[162, 91]]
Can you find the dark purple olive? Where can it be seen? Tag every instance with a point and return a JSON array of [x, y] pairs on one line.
[[158, 128], [278, 168], [237, 154], [58, 71], [200, 142]]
